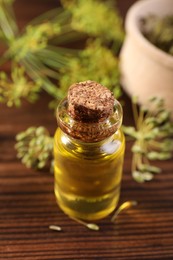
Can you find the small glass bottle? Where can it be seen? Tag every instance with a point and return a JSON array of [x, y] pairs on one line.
[[88, 159]]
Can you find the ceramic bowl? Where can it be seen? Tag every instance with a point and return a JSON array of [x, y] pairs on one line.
[[146, 71]]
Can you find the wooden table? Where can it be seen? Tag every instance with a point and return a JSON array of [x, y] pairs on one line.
[[28, 207]]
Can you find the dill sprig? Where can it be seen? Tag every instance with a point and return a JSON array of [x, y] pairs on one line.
[[100, 59], [17, 87], [153, 134], [38, 48], [35, 148], [89, 17], [41, 60]]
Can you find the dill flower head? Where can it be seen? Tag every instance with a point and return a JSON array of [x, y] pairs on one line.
[[18, 87], [35, 147], [96, 18], [95, 62]]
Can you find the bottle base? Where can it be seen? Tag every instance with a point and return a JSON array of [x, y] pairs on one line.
[[87, 209], [87, 217]]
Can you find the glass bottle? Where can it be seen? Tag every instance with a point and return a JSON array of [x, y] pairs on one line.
[[88, 164]]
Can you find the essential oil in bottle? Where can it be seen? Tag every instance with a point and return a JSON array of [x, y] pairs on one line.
[[89, 150]]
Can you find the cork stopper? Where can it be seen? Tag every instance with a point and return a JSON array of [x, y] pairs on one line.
[[90, 112], [89, 101]]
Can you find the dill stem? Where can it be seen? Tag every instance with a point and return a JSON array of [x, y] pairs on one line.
[[133, 165], [135, 114], [140, 118]]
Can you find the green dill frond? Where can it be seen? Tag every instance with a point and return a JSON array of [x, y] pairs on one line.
[[96, 62], [34, 39], [35, 148], [38, 48], [153, 138], [96, 18], [13, 89]]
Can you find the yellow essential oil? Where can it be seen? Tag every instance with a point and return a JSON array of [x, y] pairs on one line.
[[88, 164]]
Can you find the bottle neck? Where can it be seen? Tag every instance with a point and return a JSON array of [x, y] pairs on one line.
[[88, 132]]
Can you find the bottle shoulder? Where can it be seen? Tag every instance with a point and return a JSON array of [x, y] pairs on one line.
[[67, 146]]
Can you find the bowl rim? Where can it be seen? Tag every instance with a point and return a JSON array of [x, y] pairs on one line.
[[132, 28]]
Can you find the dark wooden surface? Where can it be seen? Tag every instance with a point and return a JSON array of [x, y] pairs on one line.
[[28, 207]]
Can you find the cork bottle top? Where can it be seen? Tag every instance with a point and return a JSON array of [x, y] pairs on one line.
[[89, 101], [90, 112]]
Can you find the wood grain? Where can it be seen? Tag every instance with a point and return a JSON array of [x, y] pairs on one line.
[[28, 207]]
